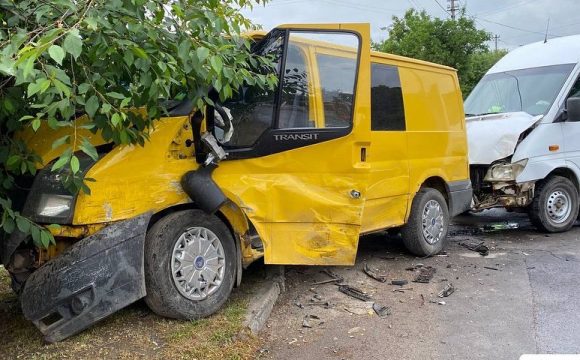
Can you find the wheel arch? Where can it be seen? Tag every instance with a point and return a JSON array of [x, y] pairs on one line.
[[567, 173], [434, 182]]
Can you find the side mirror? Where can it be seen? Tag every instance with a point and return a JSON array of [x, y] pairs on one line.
[[573, 108]]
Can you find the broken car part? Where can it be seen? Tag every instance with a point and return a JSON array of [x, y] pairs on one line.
[[399, 282], [92, 279], [381, 278], [381, 310], [480, 248], [202, 189], [447, 290], [425, 275], [354, 292]]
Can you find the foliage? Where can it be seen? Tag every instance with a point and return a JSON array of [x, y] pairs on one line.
[[443, 41], [477, 66], [60, 59]]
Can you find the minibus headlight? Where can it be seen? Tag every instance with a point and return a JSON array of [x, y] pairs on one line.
[[506, 172], [49, 201]]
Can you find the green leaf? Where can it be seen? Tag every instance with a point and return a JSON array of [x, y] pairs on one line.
[[89, 149], [8, 225], [202, 53], [62, 87], [115, 95], [216, 64], [56, 53], [73, 44], [74, 164], [139, 52], [44, 238], [35, 124], [83, 88], [28, 66], [23, 224], [54, 227], [92, 106], [64, 158], [115, 119], [60, 141], [13, 160]]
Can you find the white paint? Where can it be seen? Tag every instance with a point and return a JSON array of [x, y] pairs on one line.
[[564, 50], [493, 137]]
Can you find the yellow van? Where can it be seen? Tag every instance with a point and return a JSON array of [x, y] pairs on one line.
[[350, 142]]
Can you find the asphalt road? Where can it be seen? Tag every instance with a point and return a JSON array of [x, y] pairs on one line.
[[522, 298]]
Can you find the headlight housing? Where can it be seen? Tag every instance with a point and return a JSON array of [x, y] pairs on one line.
[[48, 200], [505, 172]]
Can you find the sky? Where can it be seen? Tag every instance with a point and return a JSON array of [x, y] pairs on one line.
[[516, 22]]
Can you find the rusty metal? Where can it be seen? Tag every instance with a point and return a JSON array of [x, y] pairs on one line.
[[425, 275]]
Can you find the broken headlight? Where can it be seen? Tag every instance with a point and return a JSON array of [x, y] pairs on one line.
[[505, 172], [49, 201]]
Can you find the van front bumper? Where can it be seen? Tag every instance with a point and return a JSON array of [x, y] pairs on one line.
[[92, 279], [460, 196]]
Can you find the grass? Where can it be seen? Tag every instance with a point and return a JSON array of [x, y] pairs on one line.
[[132, 333]]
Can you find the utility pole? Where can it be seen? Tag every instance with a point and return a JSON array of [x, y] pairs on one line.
[[496, 38], [453, 7]]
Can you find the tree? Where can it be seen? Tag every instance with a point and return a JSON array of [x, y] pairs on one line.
[[420, 36], [61, 59], [477, 66]]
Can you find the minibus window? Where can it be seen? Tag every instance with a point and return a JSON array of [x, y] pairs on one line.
[[294, 108], [251, 109], [387, 108], [337, 81]]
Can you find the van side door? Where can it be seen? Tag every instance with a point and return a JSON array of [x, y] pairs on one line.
[[297, 156]]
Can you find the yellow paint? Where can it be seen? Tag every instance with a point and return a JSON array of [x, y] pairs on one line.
[[299, 200]]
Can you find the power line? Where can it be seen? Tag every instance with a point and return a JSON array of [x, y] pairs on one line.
[[515, 28], [503, 8], [441, 6]]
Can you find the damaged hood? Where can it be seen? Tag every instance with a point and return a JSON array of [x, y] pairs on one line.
[[495, 136]]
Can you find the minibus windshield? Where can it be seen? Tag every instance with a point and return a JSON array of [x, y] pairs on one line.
[[530, 90]]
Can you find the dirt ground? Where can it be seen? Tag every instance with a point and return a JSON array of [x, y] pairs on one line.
[[135, 332]]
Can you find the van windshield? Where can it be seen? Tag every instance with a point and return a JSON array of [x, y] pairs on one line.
[[531, 90]]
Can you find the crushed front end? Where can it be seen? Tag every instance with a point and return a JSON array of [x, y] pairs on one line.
[[496, 185]]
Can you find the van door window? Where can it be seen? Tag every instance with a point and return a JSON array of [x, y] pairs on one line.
[[387, 108], [251, 109], [575, 92], [294, 105], [337, 81]]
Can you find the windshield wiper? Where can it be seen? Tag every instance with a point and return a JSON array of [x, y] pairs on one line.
[[482, 114]]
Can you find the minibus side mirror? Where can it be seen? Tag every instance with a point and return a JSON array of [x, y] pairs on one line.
[[573, 108]]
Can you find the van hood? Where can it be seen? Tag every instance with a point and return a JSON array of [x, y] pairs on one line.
[[495, 136]]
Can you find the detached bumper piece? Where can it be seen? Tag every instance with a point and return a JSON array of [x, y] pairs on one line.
[[94, 278]]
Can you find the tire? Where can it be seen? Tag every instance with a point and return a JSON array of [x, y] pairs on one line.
[[165, 243], [555, 205], [414, 237]]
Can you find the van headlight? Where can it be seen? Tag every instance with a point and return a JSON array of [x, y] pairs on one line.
[[49, 201], [505, 172]]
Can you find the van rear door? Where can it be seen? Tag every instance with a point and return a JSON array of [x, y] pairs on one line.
[[297, 156]]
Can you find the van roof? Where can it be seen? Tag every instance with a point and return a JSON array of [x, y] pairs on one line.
[[259, 34], [563, 50]]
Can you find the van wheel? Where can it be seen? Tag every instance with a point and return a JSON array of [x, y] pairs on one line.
[[555, 205], [425, 233], [189, 265]]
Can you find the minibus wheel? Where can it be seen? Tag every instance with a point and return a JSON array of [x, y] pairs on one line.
[[555, 205], [189, 265], [425, 233]]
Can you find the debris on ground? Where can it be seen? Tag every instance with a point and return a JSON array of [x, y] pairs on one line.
[[447, 290], [354, 292], [402, 290], [334, 278], [414, 267], [324, 304], [441, 303], [425, 275], [306, 320], [355, 329], [378, 277], [299, 304], [399, 282], [481, 248], [490, 268], [292, 341], [381, 310]]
